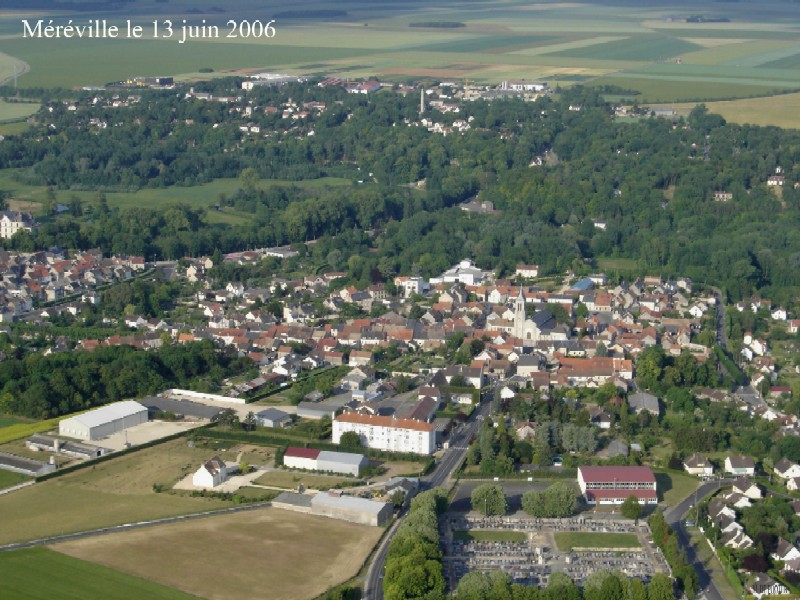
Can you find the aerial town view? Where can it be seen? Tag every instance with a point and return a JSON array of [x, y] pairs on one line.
[[394, 300]]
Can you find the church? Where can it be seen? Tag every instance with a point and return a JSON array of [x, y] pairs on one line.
[[540, 327]]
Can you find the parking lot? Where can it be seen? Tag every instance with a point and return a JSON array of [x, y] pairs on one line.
[[532, 561]]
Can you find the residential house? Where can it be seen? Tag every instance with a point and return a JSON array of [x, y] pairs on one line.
[[699, 465], [643, 401], [786, 469], [211, 474], [740, 465]]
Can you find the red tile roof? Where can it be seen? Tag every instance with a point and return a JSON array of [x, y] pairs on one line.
[[619, 474], [301, 452], [378, 421]]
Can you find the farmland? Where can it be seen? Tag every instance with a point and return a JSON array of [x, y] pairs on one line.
[[16, 111], [267, 549], [40, 574], [652, 49], [110, 493]]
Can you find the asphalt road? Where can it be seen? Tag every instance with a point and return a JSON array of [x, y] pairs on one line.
[[446, 465], [707, 588]]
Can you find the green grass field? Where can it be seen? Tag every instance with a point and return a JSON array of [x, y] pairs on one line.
[[489, 536], [674, 487], [41, 574], [568, 541], [777, 110], [5, 421], [199, 196], [110, 493], [21, 429], [290, 480], [16, 111], [9, 478]]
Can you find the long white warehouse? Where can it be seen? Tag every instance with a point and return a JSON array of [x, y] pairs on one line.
[[102, 422]]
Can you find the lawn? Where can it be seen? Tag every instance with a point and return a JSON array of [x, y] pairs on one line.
[[270, 553], [15, 431], [674, 487], [5, 421], [568, 541], [489, 536], [16, 111], [711, 563], [199, 196], [41, 574], [9, 478], [291, 479], [110, 493], [617, 264]]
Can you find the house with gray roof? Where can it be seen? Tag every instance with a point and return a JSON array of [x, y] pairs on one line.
[[642, 401]]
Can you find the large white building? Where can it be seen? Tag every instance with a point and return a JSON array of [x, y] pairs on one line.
[[346, 463], [613, 485], [387, 433], [11, 221], [104, 421]]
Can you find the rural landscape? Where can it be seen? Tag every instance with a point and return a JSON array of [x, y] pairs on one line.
[[469, 299]]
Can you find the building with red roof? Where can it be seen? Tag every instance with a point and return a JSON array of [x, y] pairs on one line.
[[387, 433], [300, 458], [612, 485]]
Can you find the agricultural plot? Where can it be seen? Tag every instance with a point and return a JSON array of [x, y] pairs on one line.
[[780, 110], [41, 574], [635, 48], [16, 111], [110, 493], [267, 552], [753, 54]]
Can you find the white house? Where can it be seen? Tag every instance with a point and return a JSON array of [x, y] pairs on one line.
[[740, 465], [764, 585], [12, 221], [211, 473], [527, 271], [786, 469], [748, 488], [785, 551], [699, 465]]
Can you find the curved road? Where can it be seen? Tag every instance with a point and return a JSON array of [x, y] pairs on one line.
[[445, 466]]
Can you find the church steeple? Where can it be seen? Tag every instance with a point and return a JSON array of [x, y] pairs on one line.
[[519, 315]]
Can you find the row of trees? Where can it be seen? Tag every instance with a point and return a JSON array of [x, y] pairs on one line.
[[601, 585], [667, 540], [413, 562]]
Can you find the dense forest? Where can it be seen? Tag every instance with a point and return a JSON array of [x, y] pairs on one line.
[[42, 387], [650, 183]]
